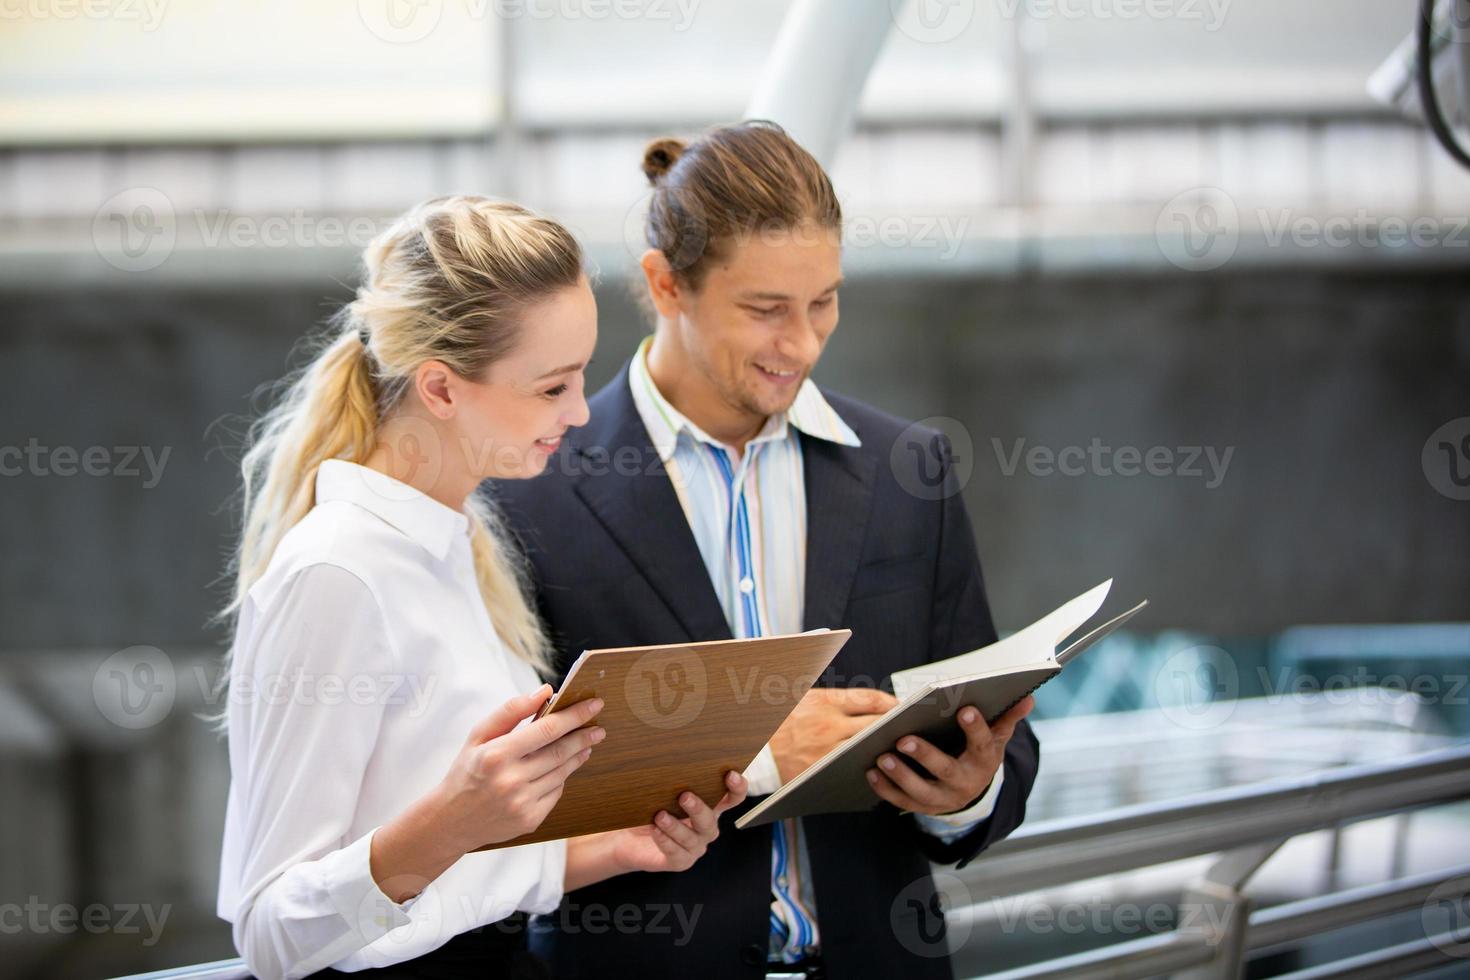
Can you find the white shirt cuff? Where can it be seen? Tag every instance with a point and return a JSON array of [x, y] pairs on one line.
[[762, 774], [950, 827], [348, 878]]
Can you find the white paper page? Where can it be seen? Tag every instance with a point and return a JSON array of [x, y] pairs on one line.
[[1035, 644]]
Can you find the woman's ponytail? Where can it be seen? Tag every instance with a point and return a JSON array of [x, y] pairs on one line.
[[328, 412], [446, 282]]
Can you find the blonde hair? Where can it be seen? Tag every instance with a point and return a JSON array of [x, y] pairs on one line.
[[446, 281]]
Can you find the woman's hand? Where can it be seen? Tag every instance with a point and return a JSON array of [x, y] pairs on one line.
[[505, 780], [667, 844], [502, 784]]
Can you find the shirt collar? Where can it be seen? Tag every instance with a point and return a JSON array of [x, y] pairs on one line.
[[419, 516], [809, 413]]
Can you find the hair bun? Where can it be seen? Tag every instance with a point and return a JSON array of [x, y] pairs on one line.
[[660, 156]]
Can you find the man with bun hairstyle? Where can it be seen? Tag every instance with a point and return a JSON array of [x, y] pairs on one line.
[[717, 491]]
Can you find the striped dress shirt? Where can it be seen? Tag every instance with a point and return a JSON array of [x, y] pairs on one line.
[[748, 513]]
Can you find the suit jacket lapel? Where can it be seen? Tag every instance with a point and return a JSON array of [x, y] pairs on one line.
[[839, 492], [639, 508]]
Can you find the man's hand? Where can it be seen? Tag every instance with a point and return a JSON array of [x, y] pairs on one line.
[[958, 780], [822, 719]]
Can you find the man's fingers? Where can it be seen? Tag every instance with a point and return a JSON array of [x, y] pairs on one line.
[[886, 790], [849, 725], [908, 781], [505, 718], [926, 755], [1005, 725], [544, 731], [978, 735], [863, 700]]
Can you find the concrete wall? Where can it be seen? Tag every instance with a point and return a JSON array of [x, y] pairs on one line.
[[1323, 387]]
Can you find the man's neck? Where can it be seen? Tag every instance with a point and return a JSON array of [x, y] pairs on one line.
[[684, 388]]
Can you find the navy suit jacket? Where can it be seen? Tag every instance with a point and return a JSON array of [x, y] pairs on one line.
[[615, 564]]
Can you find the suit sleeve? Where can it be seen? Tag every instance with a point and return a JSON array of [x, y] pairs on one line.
[[961, 622]]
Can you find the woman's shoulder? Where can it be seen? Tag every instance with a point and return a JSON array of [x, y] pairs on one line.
[[336, 534]]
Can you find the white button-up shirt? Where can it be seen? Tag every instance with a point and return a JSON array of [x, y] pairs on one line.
[[362, 658]]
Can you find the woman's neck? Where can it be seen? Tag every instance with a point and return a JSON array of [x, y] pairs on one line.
[[402, 455]]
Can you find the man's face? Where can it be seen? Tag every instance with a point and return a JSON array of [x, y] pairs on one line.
[[755, 327]]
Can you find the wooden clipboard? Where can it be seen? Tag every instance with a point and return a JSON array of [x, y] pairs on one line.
[[678, 717]]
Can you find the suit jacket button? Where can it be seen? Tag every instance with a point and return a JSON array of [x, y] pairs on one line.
[[752, 955]]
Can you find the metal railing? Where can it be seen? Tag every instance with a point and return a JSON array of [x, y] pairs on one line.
[[1244, 826]]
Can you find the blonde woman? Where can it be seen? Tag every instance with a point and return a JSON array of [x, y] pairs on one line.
[[379, 618]]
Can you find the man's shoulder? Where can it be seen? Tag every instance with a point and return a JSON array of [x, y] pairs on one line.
[[877, 429]]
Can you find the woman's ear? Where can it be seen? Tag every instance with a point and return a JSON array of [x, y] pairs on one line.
[[436, 386], [663, 285]]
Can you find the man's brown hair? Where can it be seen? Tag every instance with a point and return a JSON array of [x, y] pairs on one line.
[[734, 181]]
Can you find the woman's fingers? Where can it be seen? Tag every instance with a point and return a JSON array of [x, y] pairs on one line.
[[544, 731], [678, 831], [504, 719], [700, 816], [669, 847], [545, 760], [553, 780], [736, 787]]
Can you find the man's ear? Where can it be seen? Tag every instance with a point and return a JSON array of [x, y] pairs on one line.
[[663, 286], [434, 383]]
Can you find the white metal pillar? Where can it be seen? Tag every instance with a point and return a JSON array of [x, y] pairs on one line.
[[816, 71]]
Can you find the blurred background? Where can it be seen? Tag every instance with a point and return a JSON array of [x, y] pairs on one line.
[[1193, 305]]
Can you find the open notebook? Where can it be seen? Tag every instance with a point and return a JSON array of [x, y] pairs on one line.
[[992, 678]]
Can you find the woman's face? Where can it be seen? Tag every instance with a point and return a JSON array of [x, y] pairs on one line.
[[513, 420]]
